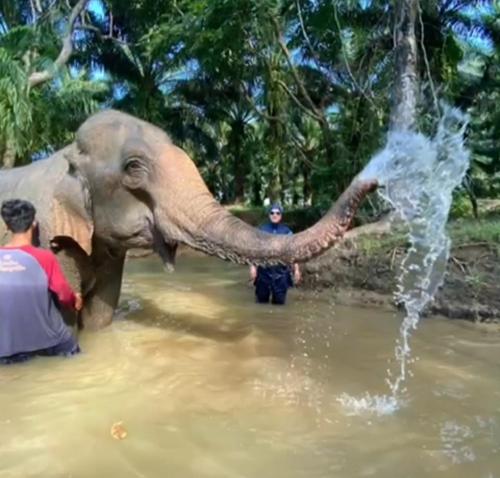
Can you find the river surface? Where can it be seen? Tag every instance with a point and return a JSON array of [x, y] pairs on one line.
[[208, 384]]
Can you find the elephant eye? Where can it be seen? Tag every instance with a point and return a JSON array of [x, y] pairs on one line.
[[135, 166], [136, 173]]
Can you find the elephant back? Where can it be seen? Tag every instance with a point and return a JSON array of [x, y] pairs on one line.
[[35, 183]]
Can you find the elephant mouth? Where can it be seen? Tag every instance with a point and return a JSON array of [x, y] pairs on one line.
[[165, 249], [142, 238], [148, 237]]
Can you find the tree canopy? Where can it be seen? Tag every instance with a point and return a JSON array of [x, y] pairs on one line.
[[284, 99]]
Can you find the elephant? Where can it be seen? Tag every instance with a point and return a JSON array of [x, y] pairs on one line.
[[123, 184]]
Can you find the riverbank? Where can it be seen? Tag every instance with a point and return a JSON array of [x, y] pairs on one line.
[[363, 270]]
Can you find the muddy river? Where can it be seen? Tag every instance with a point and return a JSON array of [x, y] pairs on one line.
[[206, 383]]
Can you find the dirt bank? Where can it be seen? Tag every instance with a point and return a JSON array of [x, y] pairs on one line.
[[363, 270]]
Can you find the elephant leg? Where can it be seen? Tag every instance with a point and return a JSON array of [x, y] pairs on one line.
[[101, 302], [79, 272]]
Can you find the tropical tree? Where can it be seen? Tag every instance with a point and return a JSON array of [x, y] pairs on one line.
[[284, 99], [37, 86]]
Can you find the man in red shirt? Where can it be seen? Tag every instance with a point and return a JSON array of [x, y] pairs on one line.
[[32, 288]]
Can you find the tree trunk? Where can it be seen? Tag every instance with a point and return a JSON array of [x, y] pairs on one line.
[[256, 192], [307, 188], [8, 156], [275, 185], [239, 161], [405, 89], [275, 139]]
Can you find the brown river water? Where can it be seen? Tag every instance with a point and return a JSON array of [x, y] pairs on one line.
[[208, 384]]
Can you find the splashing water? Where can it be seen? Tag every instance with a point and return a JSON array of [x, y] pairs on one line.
[[417, 176]]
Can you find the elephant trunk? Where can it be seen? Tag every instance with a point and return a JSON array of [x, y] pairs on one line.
[[200, 222]]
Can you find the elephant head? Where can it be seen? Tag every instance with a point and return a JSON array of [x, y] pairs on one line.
[[122, 184]]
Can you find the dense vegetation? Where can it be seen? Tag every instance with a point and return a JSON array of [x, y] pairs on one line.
[[283, 99]]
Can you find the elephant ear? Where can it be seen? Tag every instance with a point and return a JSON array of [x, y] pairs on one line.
[[71, 212]]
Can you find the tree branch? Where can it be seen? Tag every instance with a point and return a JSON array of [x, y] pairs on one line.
[[176, 7], [306, 37], [39, 77], [100, 35], [346, 61], [33, 14], [253, 106], [301, 148], [311, 108], [426, 61], [298, 102]]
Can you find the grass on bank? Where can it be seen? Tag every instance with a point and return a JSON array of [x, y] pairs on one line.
[[480, 230], [461, 232]]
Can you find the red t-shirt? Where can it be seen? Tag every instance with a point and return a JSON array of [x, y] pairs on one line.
[[57, 283]]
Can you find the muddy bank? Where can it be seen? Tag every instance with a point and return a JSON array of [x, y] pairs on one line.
[[364, 270]]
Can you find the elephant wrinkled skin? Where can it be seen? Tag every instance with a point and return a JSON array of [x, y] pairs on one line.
[[122, 184]]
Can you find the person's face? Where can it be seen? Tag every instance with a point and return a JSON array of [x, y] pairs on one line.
[[275, 216]]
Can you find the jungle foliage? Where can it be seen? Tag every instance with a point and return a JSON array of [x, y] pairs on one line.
[[285, 99]]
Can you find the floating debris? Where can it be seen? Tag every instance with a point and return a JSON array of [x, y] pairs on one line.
[[118, 431]]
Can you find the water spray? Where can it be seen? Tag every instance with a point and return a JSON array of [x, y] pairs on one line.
[[417, 176]]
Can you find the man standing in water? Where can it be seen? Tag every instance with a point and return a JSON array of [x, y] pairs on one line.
[[274, 280], [31, 286]]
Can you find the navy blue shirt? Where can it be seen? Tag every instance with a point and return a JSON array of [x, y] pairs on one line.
[[275, 228], [278, 270]]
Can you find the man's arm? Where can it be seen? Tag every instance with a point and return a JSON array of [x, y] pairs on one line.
[[57, 283], [253, 273], [61, 288], [297, 275]]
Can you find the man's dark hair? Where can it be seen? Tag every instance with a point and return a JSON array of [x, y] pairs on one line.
[[18, 214]]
